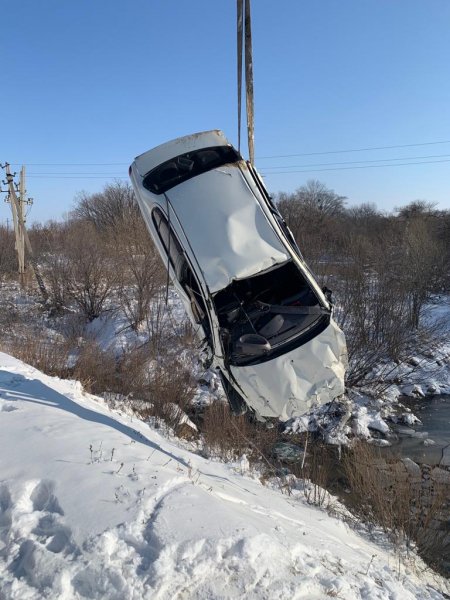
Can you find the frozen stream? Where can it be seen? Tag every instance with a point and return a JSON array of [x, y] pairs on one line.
[[416, 442]]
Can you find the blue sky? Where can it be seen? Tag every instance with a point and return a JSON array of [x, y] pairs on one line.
[[93, 83]]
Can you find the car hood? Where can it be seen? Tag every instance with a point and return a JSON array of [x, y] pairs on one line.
[[227, 229], [292, 384]]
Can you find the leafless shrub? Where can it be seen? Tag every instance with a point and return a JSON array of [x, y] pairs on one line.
[[139, 268], [54, 262], [225, 436], [132, 372], [95, 368], [92, 273], [316, 471], [423, 268], [229, 437], [374, 307], [168, 389], [409, 509], [73, 328], [48, 355], [382, 268], [119, 228]]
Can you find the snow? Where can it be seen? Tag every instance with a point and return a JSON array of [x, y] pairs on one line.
[[95, 504]]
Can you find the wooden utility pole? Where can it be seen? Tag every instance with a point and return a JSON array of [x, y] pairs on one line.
[[244, 32]]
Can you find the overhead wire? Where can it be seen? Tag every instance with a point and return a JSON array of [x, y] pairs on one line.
[[357, 162], [117, 164], [78, 177], [275, 169], [268, 170], [324, 152], [354, 150], [357, 167]]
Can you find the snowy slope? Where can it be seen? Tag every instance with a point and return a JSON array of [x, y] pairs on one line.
[[94, 505]]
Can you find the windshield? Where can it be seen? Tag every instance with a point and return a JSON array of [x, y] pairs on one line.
[[277, 306]]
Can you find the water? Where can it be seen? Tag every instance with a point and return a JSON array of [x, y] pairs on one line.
[[435, 416]]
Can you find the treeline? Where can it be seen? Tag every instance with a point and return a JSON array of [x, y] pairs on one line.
[[382, 267]]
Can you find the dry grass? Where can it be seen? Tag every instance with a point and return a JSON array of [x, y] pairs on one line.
[[229, 437], [49, 356], [410, 509], [96, 369], [169, 391]]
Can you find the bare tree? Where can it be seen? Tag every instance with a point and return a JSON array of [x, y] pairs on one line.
[[108, 208], [312, 213], [423, 266], [92, 272], [140, 272], [415, 209], [50, 242], [120, 228]]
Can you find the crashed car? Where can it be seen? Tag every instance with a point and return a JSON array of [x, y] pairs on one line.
[[251, 297]]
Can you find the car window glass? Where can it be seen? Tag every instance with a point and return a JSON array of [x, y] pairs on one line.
[[188, 165]]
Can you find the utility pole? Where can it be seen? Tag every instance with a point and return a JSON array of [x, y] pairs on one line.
[[244, 34], [22, 201], [22, 239]]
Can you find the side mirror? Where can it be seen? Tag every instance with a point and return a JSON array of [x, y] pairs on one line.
[[252, 344]]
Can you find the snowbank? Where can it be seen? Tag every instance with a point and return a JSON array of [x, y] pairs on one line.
[[97, 505]]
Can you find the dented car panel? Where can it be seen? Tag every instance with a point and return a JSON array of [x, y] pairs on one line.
[[242, 279], [294, 383], [229, 233]]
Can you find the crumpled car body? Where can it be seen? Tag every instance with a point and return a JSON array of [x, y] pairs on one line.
[[265, 321]]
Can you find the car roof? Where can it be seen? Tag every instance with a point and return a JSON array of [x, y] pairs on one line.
[[206, 139]]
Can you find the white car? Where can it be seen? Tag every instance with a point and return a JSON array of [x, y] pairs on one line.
[[242, 279]]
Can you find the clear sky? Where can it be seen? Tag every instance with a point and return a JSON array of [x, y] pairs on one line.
[[89, 84]]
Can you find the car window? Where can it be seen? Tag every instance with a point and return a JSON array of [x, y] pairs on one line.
[[171, 244], [188, 165], [183, 271]]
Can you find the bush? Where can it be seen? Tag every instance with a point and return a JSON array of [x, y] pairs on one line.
[[229, 437], [409, 509], [49, 356]]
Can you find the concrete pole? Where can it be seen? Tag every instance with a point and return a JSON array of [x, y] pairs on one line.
[[21, 203]]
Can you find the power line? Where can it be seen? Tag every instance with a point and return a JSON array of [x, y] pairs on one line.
[[357, 162], [304, 166], [77, 177], [72, 164], [355, 150], [360, 167], [259, 157], [98, 173], [93, 173], [267, 172]]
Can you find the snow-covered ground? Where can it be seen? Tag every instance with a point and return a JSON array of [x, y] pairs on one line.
[[97, 505]]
